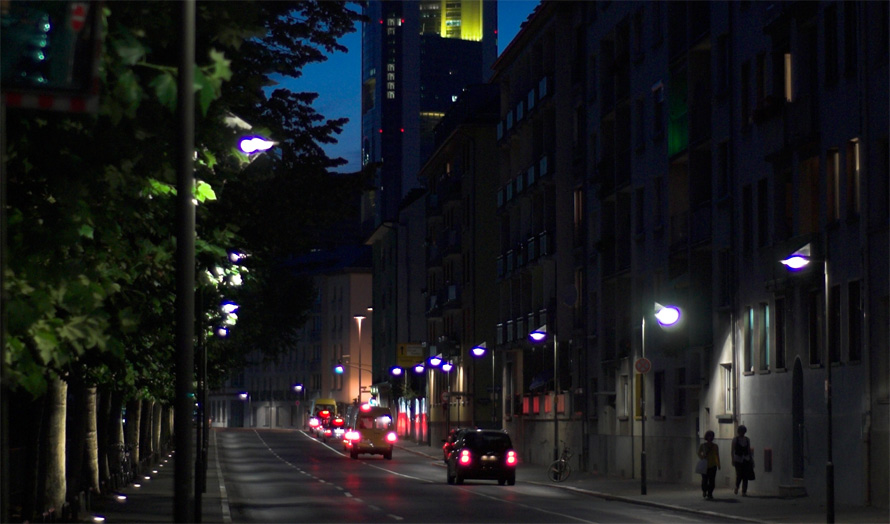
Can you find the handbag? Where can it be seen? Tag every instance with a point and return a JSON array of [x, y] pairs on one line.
[[701, 467]]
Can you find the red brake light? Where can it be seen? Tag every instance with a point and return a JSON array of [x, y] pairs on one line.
[[511, 458], [391, 436], [324, 413], [366, 407], [337, 422], [464, 456], [328, 432]]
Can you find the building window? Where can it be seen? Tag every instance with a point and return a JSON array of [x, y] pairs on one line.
[[853, 178], [640, 124], [749, 340], [832, 173], [623, 397], [850, 34], [830, 21], [658, 392], [763, 337], [834, 328], [726, 371], [809, 195], [780, 333], [658, 110], [762, 212], [814, 316], [788, 77], [747, 220], [680, 396], [854, 322], [746, 92]]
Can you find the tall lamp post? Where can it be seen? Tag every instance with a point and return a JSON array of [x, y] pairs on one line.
[[246, 396], [299, 390], [666, 316], [540, 335], [795, 262]]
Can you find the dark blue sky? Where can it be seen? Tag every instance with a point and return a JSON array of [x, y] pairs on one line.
[[338, 80]]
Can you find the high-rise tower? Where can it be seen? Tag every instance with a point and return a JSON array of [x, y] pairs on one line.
[[416, 59]]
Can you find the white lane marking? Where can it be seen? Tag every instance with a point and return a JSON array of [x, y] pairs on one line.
[[394, 517], [535, 508]]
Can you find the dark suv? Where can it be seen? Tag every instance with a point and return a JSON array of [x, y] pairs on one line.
[[482, 454]]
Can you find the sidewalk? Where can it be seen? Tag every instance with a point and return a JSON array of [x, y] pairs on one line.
[[152, 500], [756, 507]]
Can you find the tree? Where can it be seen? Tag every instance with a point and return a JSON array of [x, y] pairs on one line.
[[90, 272]]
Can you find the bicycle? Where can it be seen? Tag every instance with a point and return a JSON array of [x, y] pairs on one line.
[[560, 469]]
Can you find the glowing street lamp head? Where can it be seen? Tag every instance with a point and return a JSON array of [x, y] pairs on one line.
[[298, 387], [666, 315], [338, 369], [538, 335], [396, 371], [799, 259], [446, 367], [435, 361], [479, 350], [419, 367], [254, 144]]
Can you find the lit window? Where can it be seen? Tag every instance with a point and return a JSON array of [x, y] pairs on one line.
[[391, 77], [390, 94], [390, 67], [853, 177], [727, 388], [763, 337], [788, 85]]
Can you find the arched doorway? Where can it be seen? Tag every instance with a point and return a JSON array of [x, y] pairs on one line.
[[797, 427]]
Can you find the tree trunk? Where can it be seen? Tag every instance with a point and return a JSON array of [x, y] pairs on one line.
[[156, 414], [54, 475], [91, 455], [103, 425], [134, 415], [145, 451], [115, 431], [75, 437]]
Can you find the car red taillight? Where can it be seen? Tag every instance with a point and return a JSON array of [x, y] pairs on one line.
[[391, 436], [464, 456], [511, 458], [328, 432]]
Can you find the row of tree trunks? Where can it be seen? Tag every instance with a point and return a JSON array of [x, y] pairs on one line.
[[70, 440]]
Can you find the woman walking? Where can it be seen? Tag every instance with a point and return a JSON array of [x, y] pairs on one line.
[[743, 460], [709, 451]]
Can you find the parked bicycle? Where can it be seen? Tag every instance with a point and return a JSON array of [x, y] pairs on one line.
[[560, 469]]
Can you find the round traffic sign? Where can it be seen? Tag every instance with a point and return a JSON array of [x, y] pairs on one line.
[[643, 365]]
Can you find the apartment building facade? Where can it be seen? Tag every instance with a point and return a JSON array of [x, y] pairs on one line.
[[674, 153]]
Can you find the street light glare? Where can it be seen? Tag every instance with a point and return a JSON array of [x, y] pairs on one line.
[[446, 367], [479, 350], [254, 144], [667, 315], [539, 334], [795, 262]]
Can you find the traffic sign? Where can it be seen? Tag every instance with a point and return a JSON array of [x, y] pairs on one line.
[[643, 365]]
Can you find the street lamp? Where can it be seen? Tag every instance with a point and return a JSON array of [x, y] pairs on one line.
[[358, 320], [537, 336], [300, 391], [666, 316], [795, 262]]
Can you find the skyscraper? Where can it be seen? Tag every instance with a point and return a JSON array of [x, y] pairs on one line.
[[416, 59]]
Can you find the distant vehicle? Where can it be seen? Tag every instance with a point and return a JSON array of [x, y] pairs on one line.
[[371, 432], [320, 412], [482, 454]]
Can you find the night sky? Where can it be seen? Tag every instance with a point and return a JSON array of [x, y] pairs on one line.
[[338, 80]]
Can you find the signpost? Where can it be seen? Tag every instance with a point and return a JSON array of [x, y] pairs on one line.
[[643, 365]]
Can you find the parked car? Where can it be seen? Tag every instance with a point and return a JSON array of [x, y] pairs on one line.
[[486, 454]]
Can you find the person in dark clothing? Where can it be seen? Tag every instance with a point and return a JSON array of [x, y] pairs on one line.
[[709, 451], [743, 460]]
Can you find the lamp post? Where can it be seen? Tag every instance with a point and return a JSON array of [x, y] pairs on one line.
[[540, 335], [479, 352], [795, 262], [300, 391], [666, 316]]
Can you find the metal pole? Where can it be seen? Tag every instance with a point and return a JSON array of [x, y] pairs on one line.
[[555, 397], [829, 464], [359, 319], [185, 267], [643, 419], [200, 424]]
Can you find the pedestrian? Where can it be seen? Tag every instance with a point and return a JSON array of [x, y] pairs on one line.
[[709, 452], [743, 460]]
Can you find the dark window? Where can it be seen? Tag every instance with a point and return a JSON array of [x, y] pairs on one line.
[[746, 93], [854, 321], [747, 219], [851, 47], [814, 311], [834, 328], [749, 340], [831, 44], [780, 333], [762, 212], [659, 394], [680, 397]]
